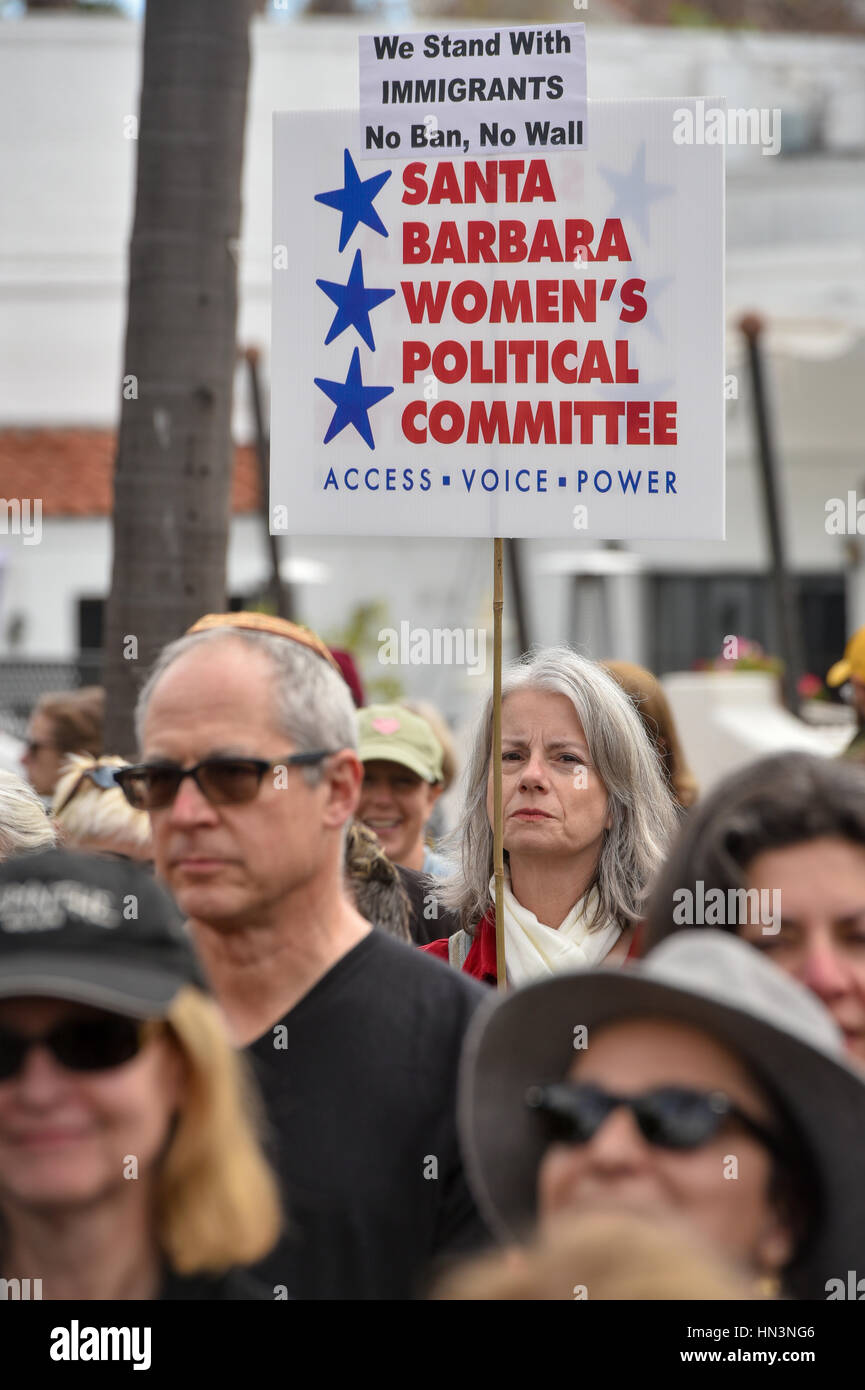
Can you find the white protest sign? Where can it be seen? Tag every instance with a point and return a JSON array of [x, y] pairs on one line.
[[527, 346], [476, 91]]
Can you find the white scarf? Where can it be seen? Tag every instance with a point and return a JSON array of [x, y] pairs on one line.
[[533, 950]]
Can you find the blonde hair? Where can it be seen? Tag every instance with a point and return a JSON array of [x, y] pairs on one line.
[[217, 1199], [653, 707], [600, 1256], [95, 813], [24, 825]]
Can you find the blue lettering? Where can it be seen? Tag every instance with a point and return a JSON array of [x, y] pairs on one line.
[[366, 481], [582, 478], [542, 480], [602, 473], [671, 485], [468, 479], [628, 479], [653, 480], [424, 480], [522, 473], [487, 473], [352, 487], [330, 481]]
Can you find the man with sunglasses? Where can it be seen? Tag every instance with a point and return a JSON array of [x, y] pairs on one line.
[[702, 1087], [250, 774]]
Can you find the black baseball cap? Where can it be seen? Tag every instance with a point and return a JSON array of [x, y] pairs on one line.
[[94, 930]]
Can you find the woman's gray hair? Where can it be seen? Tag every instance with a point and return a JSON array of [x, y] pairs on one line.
[[24, 825], [313, 707], [643, 814]]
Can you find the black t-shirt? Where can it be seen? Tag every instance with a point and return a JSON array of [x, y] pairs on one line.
[[359, 1081]]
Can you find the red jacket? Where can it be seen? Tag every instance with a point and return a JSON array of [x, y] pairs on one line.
[[481, 959]]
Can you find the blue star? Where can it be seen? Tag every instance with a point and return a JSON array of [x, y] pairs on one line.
[[633, 194], [353, 303], [354, 200], [353, 400]]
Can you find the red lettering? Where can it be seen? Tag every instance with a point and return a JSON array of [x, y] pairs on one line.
[[469, 289], [490, 421], [562, 350], [510, 168], [422, 300], [415, 358], [638, 422], [596, 366], [413, 180], [545, 243], [409, 429], [509, 300], [547, 301], [538, 184], [450, 348], [634, 301], [448, 246], [665, 422], [512, 241], [624, 372], [445, 184], [613, 244], [481, 241], [415, 242], [541, 423], [440, 433]]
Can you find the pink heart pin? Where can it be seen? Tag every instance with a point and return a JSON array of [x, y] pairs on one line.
[[386, 726]]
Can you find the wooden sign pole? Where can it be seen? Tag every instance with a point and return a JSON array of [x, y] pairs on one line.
[[498, 846]]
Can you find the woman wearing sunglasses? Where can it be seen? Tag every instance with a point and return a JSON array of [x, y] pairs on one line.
[[702, 1086], [93, 815], [130, 1166]]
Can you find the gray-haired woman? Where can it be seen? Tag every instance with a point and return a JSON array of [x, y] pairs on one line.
[[587, 818]]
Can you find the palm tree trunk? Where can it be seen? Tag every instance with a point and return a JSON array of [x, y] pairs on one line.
[[175, 455]]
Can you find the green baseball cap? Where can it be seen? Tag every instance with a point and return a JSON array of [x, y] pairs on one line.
[[396, 735]]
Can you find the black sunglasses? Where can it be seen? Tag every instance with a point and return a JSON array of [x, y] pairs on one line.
[[102, 777], [671, 1117], [79, 1044], [222, 781]]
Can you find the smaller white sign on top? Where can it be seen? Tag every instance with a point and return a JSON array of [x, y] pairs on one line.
[[473, 91]]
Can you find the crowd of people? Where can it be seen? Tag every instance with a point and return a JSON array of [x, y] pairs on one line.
[[253, 1043]]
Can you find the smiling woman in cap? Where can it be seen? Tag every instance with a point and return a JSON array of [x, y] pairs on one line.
[[402, 781], [649, 1089], [130, 1167]]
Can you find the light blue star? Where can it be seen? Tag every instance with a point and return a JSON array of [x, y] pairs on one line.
[[354, 200], [353, 304], [353, 401], [633, 194]]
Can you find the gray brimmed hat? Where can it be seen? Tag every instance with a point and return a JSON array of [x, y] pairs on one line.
[[94, 930], [717, 983]]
